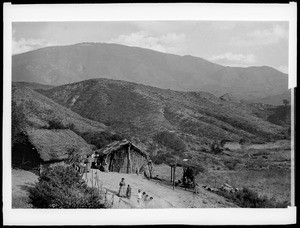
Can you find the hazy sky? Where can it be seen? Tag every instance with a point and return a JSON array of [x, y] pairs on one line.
[[227, 43]]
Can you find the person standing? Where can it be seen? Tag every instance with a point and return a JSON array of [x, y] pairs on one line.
[[122, 188], [88, 163], [139, 198], [146, 201], [128, 192], [150, 167], [151, 203]]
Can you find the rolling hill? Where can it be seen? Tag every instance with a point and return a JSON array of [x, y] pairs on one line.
[[68, 64], [140, 111], [38, 110]]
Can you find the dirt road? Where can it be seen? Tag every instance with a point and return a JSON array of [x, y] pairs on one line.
[[164, 196]]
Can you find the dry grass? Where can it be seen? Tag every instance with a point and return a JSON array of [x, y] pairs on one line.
[[270, 183], [22, 181]]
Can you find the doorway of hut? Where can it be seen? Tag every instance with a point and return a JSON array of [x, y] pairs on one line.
[[25, 156]]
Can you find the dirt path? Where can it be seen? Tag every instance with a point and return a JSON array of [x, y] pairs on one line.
[[22, 181], [164, 196]]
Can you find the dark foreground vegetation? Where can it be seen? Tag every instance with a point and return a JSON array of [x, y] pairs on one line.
[[250, 199], [63, 187]]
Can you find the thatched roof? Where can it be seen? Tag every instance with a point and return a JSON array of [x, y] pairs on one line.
[[57, 144], [114, 146]]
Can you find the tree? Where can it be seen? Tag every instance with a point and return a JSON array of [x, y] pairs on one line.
[[285, 102]]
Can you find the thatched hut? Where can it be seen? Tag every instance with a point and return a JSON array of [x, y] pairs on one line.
[[123, 157], [46, 147]]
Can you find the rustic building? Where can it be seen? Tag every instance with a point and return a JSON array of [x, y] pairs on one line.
[[123, 157], [43, 148]]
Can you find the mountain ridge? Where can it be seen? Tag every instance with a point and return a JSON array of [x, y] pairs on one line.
[[66, 64]]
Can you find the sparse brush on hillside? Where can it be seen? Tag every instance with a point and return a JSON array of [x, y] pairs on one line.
[[99, 139], [281, 115], [249, 199], [171, 141], [62, 187]]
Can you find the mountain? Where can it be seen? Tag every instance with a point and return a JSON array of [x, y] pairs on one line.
[[140, 111], [67, 64]]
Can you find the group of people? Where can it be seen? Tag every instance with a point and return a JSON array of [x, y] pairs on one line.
[[85, 165], [123, 191], [143, 199]]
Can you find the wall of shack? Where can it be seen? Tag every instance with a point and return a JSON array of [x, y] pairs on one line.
[[118, 161]]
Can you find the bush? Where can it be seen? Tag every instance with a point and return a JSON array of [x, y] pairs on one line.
[[231, 164], [249, 199], [170, 140], [163, 158], [99, 139], [62, 187]]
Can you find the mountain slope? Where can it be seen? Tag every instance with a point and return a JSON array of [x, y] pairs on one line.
[[275, 99], [38, 110], [143, 111], [68, 64]]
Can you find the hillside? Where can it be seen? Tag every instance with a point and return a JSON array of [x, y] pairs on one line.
[[67, 64], [38, 110], [140, 112], [274, 99]]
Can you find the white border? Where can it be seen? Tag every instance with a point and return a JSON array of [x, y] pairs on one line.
[[114, 12]]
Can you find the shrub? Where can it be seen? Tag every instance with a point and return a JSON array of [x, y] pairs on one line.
[[56, 124], [99, 139], [231, 164], [170, 140], [163, 158], [62, 187], [249, 199]]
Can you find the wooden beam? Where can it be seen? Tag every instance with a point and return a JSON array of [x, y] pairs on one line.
[[129, 168], [174, 170]]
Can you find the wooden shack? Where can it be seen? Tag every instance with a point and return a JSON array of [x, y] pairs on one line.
[[44, 148], [123, 157]]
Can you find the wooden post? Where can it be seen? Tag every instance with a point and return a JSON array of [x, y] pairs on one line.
[[92, 178], [129, 160], [171, 173], [174, 170]]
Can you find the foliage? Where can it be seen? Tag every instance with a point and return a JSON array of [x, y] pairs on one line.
[[250, 199], [100, 139], [163, 157], [231, 164], [281, 115], [56, 124], [285, 102], [216, 148], [170, 140], [62, 187], [17, 125]]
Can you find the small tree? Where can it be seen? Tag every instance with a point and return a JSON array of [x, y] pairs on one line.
[[285, 102]]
